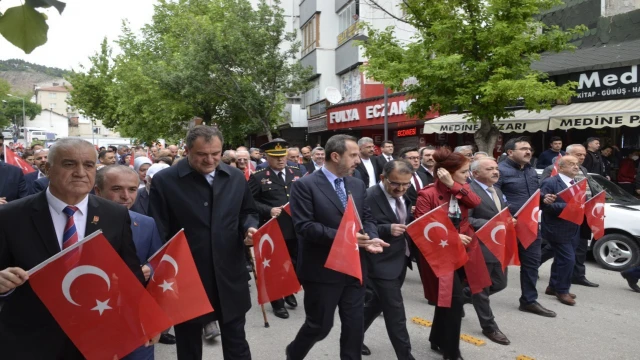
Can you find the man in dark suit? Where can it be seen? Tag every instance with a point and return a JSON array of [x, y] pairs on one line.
[[318, 202], [32, 230], [579, 276], [212, 202], [119, 183], [12, 183], [387, 155], [39, 162], [562, 235], [386, 272], [485, 174], [141, 205], [427, 163], [368, 166], [419, 179], [39, 186], [317, 156], [300, 167], [271, 188]]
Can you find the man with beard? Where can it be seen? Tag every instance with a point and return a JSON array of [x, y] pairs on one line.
[[39, 161], [306, 154], [427, 162]]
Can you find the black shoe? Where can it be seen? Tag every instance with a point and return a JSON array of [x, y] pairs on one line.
[[633, 282], [435, 347], [463, 313], [282, 313], [365, 350], [537, 309], [167, 339], [291, 301], [286, 352], [496, 336], [584, 282]]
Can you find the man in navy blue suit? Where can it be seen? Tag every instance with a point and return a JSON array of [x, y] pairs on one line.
[[318, 202], [39, 162], [12, 184], [119, 183], [562, 235]]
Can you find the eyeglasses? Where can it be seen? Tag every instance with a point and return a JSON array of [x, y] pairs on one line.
[[396, 185], [241, 160]]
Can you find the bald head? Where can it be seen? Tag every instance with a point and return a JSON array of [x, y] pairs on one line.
[[569, 166], [578, 151]]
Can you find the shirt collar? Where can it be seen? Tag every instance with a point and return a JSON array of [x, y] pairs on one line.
[[330, 176], [483, 186], [58, 205], [565, 178], [381, 184]]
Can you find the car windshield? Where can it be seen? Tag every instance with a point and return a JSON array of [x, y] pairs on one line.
[[615, 194]]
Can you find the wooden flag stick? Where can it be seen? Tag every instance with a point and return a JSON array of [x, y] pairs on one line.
[[255, 278]]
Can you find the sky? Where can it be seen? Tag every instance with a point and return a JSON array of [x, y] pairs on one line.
[[77, 33]]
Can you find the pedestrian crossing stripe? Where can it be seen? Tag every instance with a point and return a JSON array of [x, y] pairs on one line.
[[464, 337], [524, 357]]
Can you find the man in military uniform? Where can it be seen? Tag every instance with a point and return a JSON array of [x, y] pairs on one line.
[[271, 187]]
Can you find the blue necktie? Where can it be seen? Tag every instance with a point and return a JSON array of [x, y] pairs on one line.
[[340, 192], [70, 235]]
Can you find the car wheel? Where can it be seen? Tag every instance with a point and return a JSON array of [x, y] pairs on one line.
[[616, 252]]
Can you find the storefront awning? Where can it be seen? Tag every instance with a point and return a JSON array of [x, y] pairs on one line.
[[521, 121], [599, 114]]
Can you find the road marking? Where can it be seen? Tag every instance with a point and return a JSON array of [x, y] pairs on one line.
[[524, 357], [464, 337]]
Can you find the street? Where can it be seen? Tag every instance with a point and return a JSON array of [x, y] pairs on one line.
[[602, 325]]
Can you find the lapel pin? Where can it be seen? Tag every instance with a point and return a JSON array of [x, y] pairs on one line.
[[135, 223], [95, 220]]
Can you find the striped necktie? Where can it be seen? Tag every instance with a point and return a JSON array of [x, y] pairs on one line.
[[70, 235]]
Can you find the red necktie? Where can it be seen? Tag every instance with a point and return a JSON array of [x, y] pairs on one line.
[[417, 182]]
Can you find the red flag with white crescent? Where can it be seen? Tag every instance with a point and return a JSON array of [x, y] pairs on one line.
[[12, 158], [98, 302], [554, 172], [344, 255], [574, 196], [287, 208], [499, 236], [528, 218], [594, 212], [275, 273]]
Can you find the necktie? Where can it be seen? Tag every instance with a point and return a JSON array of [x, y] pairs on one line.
[[494, 195], [401, 212], [389, 158], [281, 176], [340, 192], [416, 182], [70, 235]]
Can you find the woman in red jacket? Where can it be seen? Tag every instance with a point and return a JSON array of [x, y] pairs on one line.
[[450, 186]]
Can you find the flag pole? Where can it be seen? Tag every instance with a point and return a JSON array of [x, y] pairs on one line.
[[255, 279]]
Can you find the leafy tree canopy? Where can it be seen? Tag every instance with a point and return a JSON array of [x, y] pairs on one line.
[[11, 106]]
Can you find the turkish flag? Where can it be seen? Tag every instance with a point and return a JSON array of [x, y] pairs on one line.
[[438, 241], [594, 212], [132, 159], [176, 284], [247, 172], [528, 218], [344, 256], [12, 158], [574, 196], [499, 236], [554, 172], [275, 273], [98, 302], [287, 208]]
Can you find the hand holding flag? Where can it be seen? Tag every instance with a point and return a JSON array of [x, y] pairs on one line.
[[574, 196], [528, 218]]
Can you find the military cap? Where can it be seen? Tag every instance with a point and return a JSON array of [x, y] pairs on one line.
[[276, 147]]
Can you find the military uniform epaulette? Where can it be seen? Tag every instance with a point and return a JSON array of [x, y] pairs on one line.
[[257, 171], [295, 167]]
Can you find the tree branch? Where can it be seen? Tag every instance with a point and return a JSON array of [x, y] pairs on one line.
[[375, 4]]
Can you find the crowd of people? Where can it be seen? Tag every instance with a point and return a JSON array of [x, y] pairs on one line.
[[221, 197]]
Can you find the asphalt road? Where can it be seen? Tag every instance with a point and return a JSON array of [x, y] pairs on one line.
[[602, 325]]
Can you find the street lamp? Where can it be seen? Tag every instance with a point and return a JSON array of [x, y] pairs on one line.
[[24, 125]]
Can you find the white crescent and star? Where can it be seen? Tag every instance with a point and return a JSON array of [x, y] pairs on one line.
[[166, 286], [431, 226], [267, 238], [75, 273], [535, 214], [495, 231], [597, 206]]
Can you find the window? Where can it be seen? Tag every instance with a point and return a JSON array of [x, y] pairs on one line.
[[52, 105], [53, 95], [310, 36], [312, 95], [348, 22]]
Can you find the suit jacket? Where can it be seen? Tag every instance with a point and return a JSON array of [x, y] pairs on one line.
[[24, 319], [301, 167], [412, 193], [141, 206], [12, 183], [391, 262], [215, 218], [269, 191], [31, 178], [381, 160], [547, 172], [364, 174], [317, 211], [145, 236], [40, 185], [554, 228], [422, 170], [482, 213]]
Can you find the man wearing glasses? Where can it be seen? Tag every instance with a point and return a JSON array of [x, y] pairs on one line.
[[518, 182], [466, 150], [418, 179]]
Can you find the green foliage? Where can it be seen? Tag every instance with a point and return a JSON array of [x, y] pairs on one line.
[[11, 106], [472, 55], [24, 27], [21, 65], [220, 60]]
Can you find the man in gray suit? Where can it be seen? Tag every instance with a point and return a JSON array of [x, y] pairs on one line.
[[485, 174]]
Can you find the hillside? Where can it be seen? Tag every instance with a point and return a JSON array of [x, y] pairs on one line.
[[23, 75]]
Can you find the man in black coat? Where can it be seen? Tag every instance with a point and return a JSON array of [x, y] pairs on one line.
[[386, 272], [31, 231], [419, 180], [485, 174], [212, 202], [427, 163], [12, 183], [318, 202], [368, 166], [270, 188], [387, 155], [593, 162]]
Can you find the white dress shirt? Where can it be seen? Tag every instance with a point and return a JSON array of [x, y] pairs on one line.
[[60, 219], [415, 178], [372, 174], [392, 203], [485, 187], [210, 176], [566, 180]]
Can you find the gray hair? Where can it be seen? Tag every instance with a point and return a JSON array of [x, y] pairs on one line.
[[573, 147], [476, 163], [102, 173], [401, 166], [319, 148], [293, 148], [337, 144], [201, 131], [459, 149], [64, 144], [231, 153], [123, 147], [365, 140], [254, 149], [481, 153]]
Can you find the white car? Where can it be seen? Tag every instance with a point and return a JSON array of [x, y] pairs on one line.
[[38, 135]]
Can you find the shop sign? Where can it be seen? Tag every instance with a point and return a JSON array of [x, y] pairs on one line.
[[407, 132], [606, 84], [431, 127], [631, 119]]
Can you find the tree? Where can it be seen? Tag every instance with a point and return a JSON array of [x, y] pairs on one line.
[[11, 106], [24, 26], [472, 55]]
